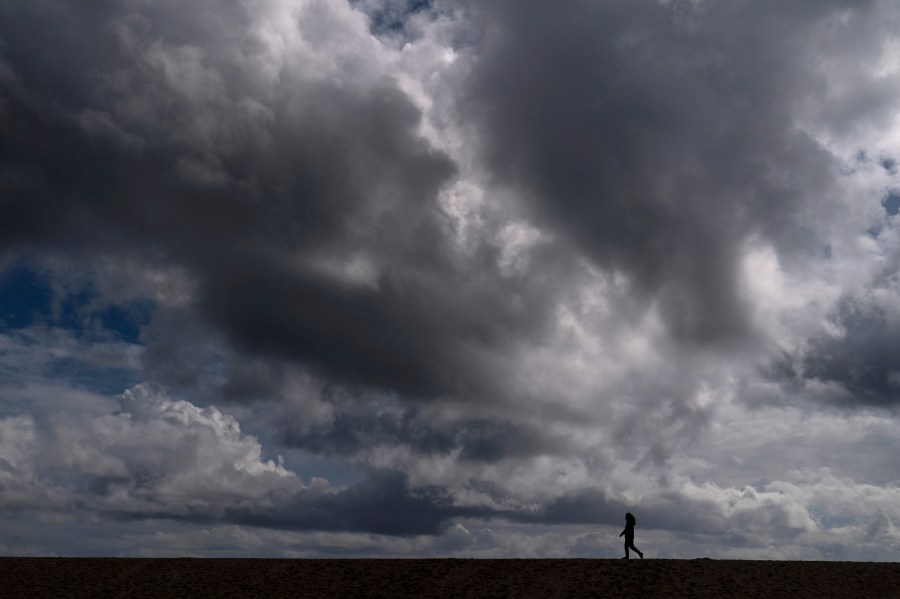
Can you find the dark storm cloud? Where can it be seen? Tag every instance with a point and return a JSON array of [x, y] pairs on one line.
[[655, 136], [62, 186], [347, 434], [383, 504], [658, 136], [587, 506], [862, 365], [119, 162], [476, 440]]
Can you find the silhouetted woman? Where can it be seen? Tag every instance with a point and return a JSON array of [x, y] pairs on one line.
[[630, 522]]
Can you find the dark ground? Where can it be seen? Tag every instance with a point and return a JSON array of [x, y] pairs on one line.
[[540, 578]]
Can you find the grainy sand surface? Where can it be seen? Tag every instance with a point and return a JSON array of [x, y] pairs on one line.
[[541, 578]]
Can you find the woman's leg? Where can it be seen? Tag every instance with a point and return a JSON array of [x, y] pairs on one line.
[[636, 550]]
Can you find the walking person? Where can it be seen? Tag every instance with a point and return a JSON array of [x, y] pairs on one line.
[[630, 523]]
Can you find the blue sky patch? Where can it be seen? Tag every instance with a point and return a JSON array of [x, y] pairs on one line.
[[27, 298], [891, 202]]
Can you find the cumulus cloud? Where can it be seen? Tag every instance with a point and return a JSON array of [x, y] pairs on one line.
[[154, 456], [161, 458]]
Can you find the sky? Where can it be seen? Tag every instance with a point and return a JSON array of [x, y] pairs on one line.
[[447, 278]]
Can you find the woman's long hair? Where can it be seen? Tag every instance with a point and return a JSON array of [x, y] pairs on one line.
[[629, 517]]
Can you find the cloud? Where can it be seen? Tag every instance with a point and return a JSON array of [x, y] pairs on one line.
[[155, 456], [857, 358], [168, 459], [161, 462], [643, 133], [17, 468], [317, 169], [505, 271], [382, 504]]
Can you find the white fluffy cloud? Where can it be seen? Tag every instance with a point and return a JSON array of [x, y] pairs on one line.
[[153, 457]]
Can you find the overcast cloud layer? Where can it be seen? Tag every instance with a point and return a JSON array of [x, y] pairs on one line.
[[412, 278]]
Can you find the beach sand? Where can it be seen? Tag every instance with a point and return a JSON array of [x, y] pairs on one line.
[[540, 578]]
